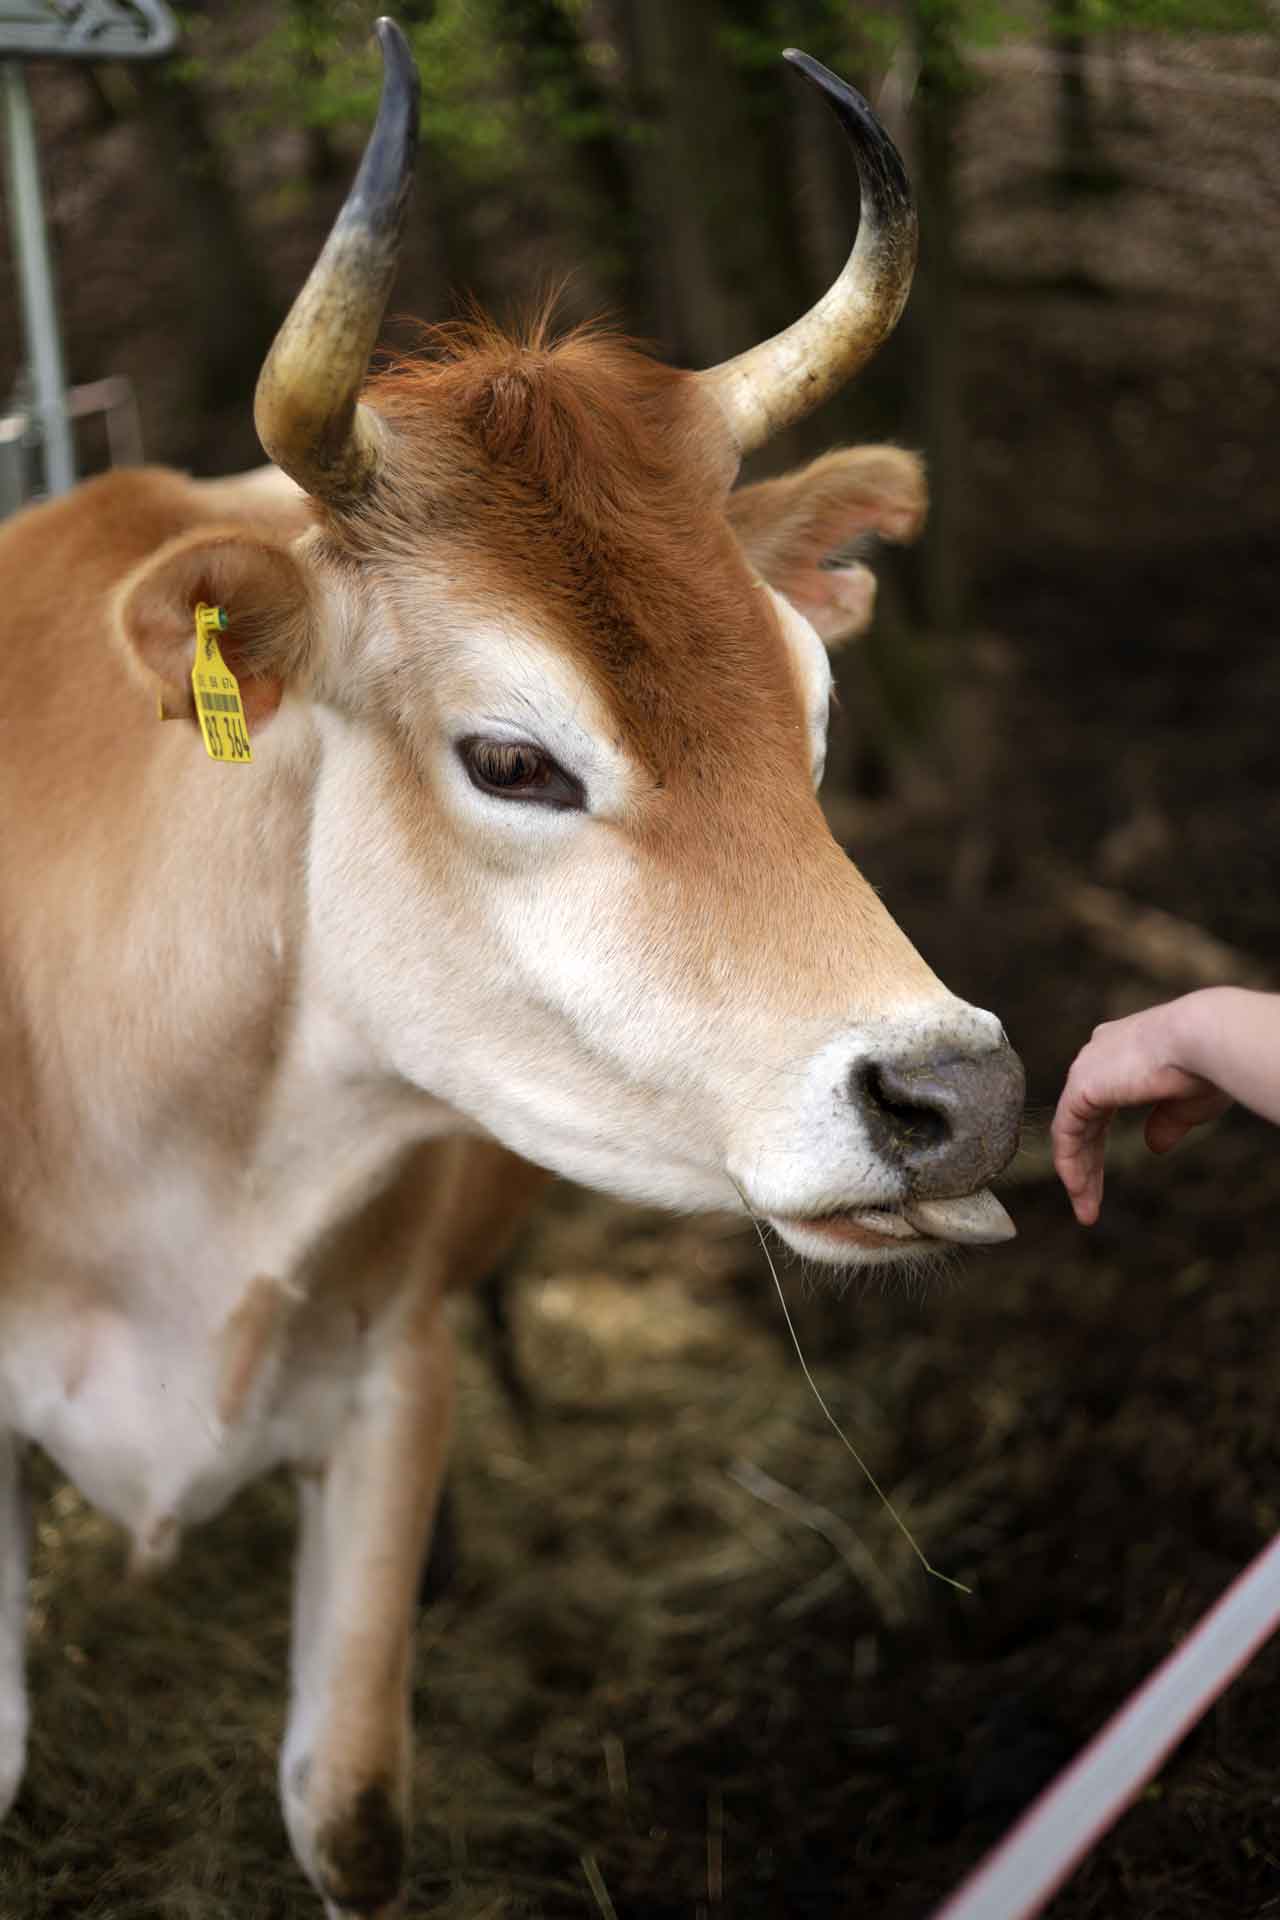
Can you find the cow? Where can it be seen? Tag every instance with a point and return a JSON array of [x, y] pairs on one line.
[[526, 872]]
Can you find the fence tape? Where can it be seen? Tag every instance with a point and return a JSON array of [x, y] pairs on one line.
[[1028, 1866]]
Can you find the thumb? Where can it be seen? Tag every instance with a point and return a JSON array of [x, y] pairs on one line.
[[1170, 1121]]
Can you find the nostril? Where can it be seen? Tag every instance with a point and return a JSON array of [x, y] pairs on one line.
[[910, 1123], [948, 1123]]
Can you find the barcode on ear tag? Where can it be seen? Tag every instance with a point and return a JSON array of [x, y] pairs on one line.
[[217, 692]]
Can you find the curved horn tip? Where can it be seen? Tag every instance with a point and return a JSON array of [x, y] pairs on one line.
[[390, 33], [821, 76], [398, 63], [858, 117]]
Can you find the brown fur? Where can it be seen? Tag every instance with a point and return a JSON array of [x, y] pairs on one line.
[[105, 815], [586, 484], [791, 524]]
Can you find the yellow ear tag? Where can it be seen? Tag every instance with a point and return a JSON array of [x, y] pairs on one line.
[[217, 691]]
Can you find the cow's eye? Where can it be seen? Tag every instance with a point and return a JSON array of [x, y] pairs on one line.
[[517, 770]]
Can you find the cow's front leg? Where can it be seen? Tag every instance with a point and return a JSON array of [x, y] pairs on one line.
[[344, 1772], [13, 1618]]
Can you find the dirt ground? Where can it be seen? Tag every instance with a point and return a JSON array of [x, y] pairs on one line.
[[687, 1666]]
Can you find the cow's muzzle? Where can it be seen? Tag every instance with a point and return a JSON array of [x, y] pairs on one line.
[[948, 1124]]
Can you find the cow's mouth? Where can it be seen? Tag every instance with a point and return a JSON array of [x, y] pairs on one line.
[[976, 1220]]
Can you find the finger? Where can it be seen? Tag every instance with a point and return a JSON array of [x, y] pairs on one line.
[[1079, 1120], [1083, 1185], [1165, 1126], [1079, 1151], [1172, 1120], [1086, 1204]]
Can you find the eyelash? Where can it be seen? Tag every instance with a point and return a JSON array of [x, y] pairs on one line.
[[518, 770]]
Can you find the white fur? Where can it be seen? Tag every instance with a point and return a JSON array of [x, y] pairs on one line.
[[813, 671]]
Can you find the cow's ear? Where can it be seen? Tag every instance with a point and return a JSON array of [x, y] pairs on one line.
[[792, 527], [261, 588]]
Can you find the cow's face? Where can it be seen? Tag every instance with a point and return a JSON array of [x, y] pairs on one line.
[[569, 873], [583, 840]]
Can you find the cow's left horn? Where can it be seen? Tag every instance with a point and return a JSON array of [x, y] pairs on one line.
[[766, 388], [306, 410]]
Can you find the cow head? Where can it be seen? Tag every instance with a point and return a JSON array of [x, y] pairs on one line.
[[563, 698]]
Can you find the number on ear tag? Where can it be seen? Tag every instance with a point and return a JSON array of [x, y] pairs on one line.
[[217, 692]]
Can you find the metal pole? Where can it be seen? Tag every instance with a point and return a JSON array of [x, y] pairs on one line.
[[35, 274]]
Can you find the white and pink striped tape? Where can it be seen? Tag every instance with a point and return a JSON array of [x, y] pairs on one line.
[[1028, 1866]]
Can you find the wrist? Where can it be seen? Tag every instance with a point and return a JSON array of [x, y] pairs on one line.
[[1194, 1021]]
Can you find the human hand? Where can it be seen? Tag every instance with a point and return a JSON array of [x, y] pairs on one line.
[[1127, 1063]]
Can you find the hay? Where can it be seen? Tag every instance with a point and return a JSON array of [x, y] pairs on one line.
[[655, 1692]]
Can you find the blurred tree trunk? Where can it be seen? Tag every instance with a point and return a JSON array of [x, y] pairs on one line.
[[230, 306], [447, 263], [1077, 158], [438, 239], [935, 309], [761, 212], [311, 18], [547, 50], [674, 95]]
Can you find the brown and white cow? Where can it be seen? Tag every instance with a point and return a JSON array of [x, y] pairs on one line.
[[528, 862]]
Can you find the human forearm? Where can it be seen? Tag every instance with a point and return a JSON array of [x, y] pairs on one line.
[[1231, 1036]]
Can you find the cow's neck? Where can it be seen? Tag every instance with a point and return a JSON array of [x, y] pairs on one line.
[[210, 1112], [198, 928]]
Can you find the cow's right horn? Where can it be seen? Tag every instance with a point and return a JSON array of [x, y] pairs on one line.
[[766, 388], [306, 409]]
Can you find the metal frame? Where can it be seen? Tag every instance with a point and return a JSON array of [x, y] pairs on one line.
[[61, 30], [86, 30]]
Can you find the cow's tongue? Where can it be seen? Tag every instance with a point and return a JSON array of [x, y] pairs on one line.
[[976, 1221]]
